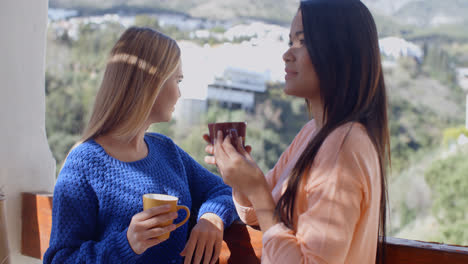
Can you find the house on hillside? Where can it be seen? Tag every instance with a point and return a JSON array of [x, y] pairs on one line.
[[394, 48], [236, 89]]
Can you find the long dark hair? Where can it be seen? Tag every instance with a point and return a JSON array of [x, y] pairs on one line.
[[342, 42]]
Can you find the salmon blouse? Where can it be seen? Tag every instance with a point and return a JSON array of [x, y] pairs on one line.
[[336, 214]]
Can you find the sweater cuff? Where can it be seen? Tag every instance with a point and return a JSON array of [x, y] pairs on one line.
[[123, 248], [225, 212]]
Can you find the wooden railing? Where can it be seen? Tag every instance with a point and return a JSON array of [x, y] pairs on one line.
[[242, 244]]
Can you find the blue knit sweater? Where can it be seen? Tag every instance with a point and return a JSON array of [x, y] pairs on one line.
[[96, 196]]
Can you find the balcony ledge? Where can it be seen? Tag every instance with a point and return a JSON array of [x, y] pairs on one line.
[[242, 244]]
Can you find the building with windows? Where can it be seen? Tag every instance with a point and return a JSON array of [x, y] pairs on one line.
[[236, 89]]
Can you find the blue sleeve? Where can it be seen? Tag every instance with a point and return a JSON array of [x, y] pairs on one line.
[[208, 191], [74, 217]]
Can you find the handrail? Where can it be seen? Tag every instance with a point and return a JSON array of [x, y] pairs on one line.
[[242, 244], [418, 252], [399, 251]]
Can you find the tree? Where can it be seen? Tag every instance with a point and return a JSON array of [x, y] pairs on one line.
[[147, 21], [448, 180]]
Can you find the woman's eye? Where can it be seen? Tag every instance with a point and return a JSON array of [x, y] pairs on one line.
[[300, 41]]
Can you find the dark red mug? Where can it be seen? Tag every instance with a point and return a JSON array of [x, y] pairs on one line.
[[226, 128]]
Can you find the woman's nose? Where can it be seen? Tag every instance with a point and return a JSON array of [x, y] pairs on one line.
[[287, 57]]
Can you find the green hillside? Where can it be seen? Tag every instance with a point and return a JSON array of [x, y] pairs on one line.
[[419, 12], [434, 12], [269, 10]]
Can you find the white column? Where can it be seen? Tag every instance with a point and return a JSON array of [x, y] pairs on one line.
[[26, 163]]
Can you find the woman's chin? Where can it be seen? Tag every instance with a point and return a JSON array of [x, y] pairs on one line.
[[287, 90]]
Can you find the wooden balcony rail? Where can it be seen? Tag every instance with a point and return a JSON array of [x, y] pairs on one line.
[[36, 214], [242, 244], [403, 251]]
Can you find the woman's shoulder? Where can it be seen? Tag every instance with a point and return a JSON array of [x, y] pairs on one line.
[[162, 144], [158, 139], [349, 149], [309, 127], [306, 133], [351, 134], [82, 160], [350, 139], [85, 151], [85, 155]]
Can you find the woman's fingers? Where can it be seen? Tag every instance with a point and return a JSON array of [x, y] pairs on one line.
[[160, 219], [249, 157], [159, 231], [248, 148], [229, 149], [219, 152], [224, 146], [207, 138], [217, 251], [145, 227], [234, 137], [200, 249], [208, 252], [240, 146], [244, 151], [205, 240], [188, 250], [152, 212], [210, 160], [219, 138], [209, 149], [238, 142]]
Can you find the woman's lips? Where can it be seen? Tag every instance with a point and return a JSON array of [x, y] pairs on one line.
[[289, 74]]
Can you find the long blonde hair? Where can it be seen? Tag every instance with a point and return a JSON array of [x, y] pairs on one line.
[[139, 64]]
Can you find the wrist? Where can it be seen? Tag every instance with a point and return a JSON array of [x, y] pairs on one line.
[[258, 194], [262, 200], [264, 206], [214, 219], [241, 199]]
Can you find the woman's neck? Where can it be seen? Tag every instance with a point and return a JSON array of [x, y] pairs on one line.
[[316, 109], [124, 148]]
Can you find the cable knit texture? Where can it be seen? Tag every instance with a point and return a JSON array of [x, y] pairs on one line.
[[96, 196]]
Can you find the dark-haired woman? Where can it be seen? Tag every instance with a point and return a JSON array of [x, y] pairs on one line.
[[325, 199]]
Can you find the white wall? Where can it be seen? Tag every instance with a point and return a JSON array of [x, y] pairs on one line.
[[26, 163]]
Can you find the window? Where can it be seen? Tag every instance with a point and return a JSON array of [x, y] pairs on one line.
[[424, 51]]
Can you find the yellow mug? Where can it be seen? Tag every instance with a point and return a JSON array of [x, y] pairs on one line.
[[154, 199]]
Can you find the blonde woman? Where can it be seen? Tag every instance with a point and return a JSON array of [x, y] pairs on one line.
[[97, 206]]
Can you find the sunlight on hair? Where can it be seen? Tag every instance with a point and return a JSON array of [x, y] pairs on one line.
[[132, 59]]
